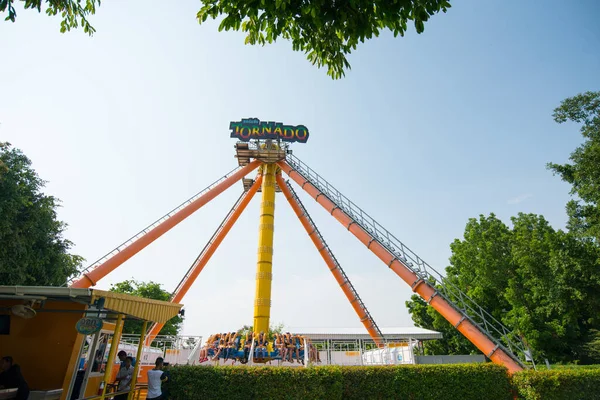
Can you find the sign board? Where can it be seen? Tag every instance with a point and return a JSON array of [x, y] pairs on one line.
[[88, 325], [253, 128]]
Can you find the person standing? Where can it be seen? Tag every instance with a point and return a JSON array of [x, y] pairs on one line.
[[124, 377], [165, 387], [156, 378], [122, 356], [11, 378]]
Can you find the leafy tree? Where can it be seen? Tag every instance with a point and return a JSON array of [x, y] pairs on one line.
[[326, 30], [591, 346], [583, 173], [481, 263], [32, 248], [480, 266], [554, 291], [541, 282], [148, 290], [73, 12]]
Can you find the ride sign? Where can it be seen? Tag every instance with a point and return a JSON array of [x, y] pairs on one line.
[[253, 128], [89, 325]]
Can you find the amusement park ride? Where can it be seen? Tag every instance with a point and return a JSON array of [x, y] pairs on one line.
[[265, 146]]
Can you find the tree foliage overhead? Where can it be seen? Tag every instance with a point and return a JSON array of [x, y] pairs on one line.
[[148, 290], [74, 13], [326, 30], [583, 173], [32, 248]]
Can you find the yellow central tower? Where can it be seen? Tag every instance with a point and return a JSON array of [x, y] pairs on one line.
[[264, 265]]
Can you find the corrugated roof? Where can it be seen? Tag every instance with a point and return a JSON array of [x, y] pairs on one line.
[[139, 307], [146, 309]]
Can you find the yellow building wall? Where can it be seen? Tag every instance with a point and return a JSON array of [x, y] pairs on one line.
[[93, 384], [43, 345]]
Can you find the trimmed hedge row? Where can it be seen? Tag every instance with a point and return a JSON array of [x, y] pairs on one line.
[[422, 382], [563, 384]]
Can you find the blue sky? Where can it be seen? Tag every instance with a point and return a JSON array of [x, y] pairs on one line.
[[423, 133]]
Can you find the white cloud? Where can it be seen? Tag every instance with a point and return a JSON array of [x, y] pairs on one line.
[[519, 199]]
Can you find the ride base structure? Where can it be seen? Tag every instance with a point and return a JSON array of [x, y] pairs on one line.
[[264, 146]]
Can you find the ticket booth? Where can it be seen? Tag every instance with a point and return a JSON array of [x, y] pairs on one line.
[[66, 340]]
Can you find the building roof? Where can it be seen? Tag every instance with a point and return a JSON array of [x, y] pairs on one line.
[[391, 333], [138, 307]]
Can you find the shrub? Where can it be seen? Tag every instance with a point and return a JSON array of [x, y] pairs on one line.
[[468, 381], [464, 382], [567, 384]]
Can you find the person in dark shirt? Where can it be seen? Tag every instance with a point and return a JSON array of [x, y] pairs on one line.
[[122, 356], [166, 382], [11, 377]]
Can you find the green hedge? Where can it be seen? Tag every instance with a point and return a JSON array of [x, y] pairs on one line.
[[567, 384], [461, 381], [422, 382]]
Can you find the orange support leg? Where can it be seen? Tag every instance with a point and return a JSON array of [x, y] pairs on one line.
[[428, 293], [92, 277], [362, 314], [207, 253]]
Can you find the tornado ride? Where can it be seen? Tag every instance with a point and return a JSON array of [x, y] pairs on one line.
[[264, 146]]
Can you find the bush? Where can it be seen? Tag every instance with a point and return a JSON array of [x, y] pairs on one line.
[[575, 366], [567, 384], [464, 382], [422, 382]]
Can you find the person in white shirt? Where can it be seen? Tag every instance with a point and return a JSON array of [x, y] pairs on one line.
[[155, 379], [124, 377]]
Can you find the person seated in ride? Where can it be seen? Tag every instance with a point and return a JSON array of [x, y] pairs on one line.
[[237, 341], [299, 342], [203, 355], [223, 343], [291, 347], [247, 344], [215, 343], [225, 337], [220, 349], [266, 344], [285, 349], [212, 346], [260, 345], [231, 346], [279, 345]]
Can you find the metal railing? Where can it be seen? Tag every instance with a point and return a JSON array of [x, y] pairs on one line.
[[141, 233], [335, 261], [497, 332], [135, 393]]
